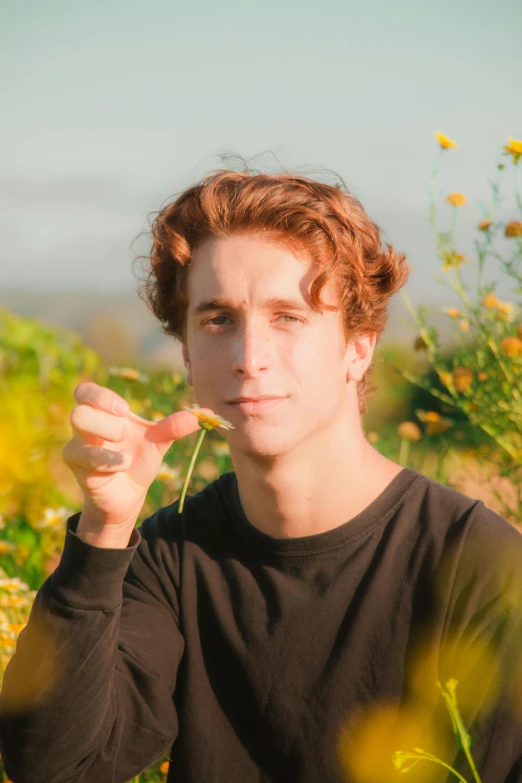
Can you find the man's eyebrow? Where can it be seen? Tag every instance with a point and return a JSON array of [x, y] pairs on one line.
[[209, 305]]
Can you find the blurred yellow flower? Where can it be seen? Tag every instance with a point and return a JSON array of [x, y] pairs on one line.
[[409, 430], [6, 547], [220, 448], [164, 768], [452, 259], [512, 346], [129, 374], [506, 311], [464, 325], [514, 148], [14, 584], [462, 378], [444, 142], [446, 378], [372, 437], [484, 225], [513, 229], [456, 199], [452, 312], [482, 376], [490, 301], [168, 473], [54, 518]]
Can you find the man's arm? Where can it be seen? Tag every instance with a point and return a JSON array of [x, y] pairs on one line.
[[89, 691]]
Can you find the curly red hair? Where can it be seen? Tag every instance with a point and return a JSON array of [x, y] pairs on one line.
[[325, 221]]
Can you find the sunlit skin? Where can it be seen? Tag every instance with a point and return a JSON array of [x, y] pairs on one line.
[[304, 465]]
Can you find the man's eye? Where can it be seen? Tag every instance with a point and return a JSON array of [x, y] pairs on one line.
[[212, 320]]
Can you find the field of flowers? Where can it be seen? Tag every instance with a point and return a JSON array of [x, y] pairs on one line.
[[454, 415]]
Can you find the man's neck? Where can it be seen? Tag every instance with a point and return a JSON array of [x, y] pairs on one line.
[[300, 497]]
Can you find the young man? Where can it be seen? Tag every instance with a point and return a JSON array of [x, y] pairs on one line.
[[312, 590]]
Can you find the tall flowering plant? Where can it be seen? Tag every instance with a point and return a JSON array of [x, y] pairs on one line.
[[483, 379]]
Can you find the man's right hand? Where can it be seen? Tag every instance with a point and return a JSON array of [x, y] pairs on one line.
[[115, 456]]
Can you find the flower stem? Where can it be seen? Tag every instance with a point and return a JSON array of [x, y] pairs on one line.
[[404, 452], [189, 473]]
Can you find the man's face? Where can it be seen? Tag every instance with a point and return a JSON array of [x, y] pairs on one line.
[[251, 348]]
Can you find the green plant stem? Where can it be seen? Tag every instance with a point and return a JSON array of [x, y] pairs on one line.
[[189, 472], [404, 452], [429, 757], [517, 189]]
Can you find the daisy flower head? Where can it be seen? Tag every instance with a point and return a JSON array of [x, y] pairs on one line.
[[208, 422]]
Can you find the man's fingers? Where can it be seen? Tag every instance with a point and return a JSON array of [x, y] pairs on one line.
[[89, 393]]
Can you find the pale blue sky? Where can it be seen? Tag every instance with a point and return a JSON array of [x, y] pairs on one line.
[[109, 108]]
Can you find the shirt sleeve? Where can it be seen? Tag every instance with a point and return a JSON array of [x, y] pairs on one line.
[[88, 694], [482, 647]]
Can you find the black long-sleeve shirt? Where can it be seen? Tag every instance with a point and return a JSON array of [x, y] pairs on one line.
[[247, 657]]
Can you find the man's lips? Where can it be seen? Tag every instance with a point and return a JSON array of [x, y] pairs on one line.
[[255, 399], [249, 406]]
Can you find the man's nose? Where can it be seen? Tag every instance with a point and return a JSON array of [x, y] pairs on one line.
[[251, 349]]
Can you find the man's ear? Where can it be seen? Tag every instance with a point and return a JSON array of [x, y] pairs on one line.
[[186, 361], [359, 354]]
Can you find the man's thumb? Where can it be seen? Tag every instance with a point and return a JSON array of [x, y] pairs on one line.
[[177, 425]]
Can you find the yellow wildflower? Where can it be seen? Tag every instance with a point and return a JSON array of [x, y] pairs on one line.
[[452, 259], [490, 301], [462, 378], [464, 325], [372, 437], [446, 378], [164, 768], [514, 148], [53, 518], [220, 449], [208, 422], [129, 374], [16, 627], [512, 346], [167, 473], [444, 142], [156, 416], [506, 311], [484, 225], [13, 585], [452, 312], [513, 229], [435, 427], [6, 547], [482, 376], [456, 199], [409, 430]]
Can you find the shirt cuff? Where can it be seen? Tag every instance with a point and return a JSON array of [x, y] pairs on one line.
[[91, 577]]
